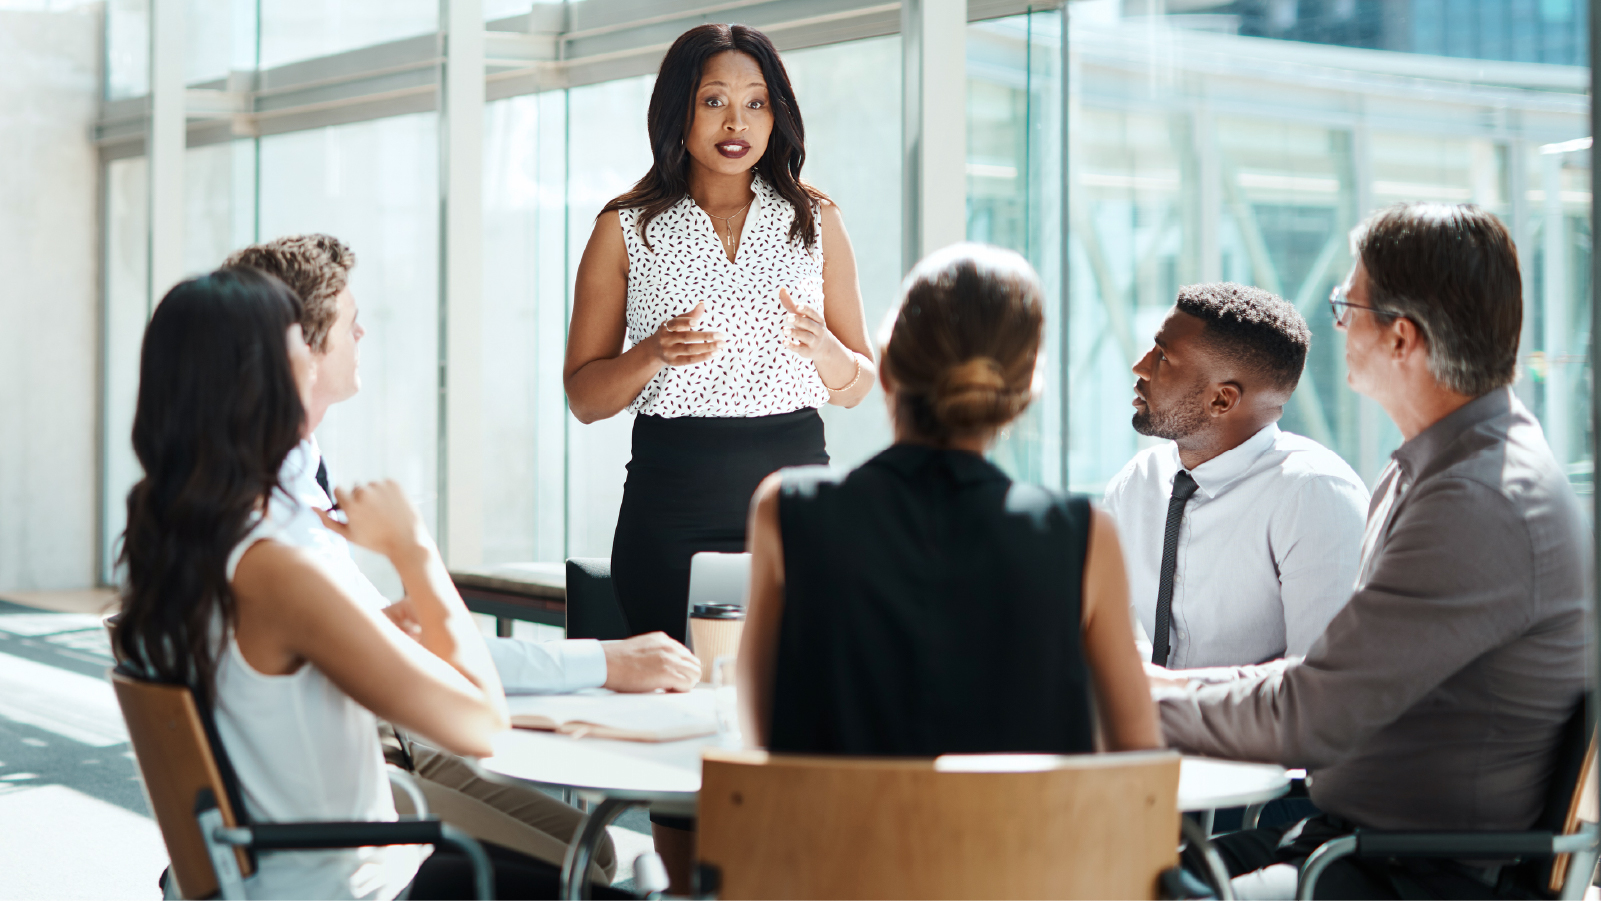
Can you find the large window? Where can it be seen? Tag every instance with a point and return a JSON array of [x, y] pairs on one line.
[[1203, 156], [297, 30], [126, 307], [375, 186], [1014, 198], [1152, 151], [525, 328], [850, 95]]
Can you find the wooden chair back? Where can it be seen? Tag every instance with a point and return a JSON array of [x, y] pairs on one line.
[[176, 762], [112, 623], [968, 826], [1582, 808]]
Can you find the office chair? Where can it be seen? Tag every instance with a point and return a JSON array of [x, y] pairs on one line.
[[1556, 859], [959, 826], [195, 795], [592, 608]]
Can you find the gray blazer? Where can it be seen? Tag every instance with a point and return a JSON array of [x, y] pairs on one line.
[[1434, 699]]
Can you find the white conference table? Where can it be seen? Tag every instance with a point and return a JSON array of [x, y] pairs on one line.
[[665, 776]]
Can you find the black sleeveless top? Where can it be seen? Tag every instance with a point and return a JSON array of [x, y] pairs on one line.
[[931, 606]]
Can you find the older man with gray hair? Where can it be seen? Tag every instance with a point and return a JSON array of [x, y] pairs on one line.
[[1436, 697]]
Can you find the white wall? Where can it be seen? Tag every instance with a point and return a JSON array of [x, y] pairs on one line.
[[48, 297]]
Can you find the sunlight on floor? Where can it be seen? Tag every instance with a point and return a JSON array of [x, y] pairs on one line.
[[73, 819], [75, 846]]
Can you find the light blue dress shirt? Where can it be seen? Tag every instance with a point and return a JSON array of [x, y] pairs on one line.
[[526, 667]]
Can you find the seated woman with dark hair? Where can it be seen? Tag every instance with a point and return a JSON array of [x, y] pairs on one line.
[[292, 667], [924, 603]]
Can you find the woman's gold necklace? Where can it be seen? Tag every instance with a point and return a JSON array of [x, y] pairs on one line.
[[728, 222]]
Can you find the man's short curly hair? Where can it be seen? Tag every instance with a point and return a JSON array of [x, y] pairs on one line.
[[1252, 327], [316, 267]]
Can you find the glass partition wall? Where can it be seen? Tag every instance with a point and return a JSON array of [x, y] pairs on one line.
[[1143, 152], [1200, 154]]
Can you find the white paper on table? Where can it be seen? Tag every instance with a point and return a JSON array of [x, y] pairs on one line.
[[599, 713]]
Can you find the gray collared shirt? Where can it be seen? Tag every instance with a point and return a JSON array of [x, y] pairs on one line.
[[1434, 699]]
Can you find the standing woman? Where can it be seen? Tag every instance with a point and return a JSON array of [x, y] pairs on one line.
[[717, 301]]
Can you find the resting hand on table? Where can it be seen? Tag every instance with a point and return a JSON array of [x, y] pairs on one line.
[[648, 662]]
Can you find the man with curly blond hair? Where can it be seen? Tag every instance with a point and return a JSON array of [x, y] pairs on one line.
[[317, 268]]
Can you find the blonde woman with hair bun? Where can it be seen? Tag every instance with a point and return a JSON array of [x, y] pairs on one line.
[[924, 603]]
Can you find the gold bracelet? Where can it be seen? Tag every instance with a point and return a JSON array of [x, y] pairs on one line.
[[854, 379]]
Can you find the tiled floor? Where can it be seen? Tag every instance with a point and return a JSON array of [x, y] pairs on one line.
[[73, 819]]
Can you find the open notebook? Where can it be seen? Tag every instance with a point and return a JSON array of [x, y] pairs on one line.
[[599, 713]]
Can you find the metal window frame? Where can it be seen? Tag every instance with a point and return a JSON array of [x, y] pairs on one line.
[[556, 46], [933, 127]]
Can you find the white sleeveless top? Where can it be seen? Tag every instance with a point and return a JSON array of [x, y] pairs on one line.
[[755, 375], [305, 750]]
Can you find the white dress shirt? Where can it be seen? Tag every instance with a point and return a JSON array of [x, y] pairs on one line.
[[526, 667], [1268, 551]]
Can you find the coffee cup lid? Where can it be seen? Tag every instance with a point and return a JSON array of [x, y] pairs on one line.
[[718, 611]]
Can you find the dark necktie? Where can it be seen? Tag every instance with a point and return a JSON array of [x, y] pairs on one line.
[[322, 479], [1183, 487]]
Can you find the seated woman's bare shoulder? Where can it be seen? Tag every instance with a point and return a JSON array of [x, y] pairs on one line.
[[280, 591]]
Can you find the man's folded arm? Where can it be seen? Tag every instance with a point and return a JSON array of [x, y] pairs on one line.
[[1440, 596]]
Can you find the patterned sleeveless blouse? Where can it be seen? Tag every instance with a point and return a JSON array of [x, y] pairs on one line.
[[754, 375]]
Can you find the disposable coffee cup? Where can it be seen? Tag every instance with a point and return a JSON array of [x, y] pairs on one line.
[[714, 631]]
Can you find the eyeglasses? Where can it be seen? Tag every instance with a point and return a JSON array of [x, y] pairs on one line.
[[1343, 316]]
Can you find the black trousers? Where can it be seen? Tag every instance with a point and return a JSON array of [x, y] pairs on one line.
[[689, 486], [448, 874], [1254, 849]]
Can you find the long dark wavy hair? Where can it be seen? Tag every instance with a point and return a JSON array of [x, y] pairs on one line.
[[672, 110], [218, 412]]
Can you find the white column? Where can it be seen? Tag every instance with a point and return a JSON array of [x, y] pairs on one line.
[[1520, 218], [1208, 194], [933, 126], [1554, 275], [164, 145], [1371, 422], [461, 283]]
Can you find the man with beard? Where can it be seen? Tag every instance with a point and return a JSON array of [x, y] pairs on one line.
[[1241, 540]]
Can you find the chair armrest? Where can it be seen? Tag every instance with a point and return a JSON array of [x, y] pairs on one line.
[[1297, 785], [361, 834], [1197, 836], [333, 834], [399, 778], [1471, 845]]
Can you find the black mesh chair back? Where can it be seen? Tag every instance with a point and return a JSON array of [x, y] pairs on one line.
[[1564, 794], [592, 608]]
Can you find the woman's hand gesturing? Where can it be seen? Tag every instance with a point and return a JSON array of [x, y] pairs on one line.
[[678, 343], [806, 334]]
